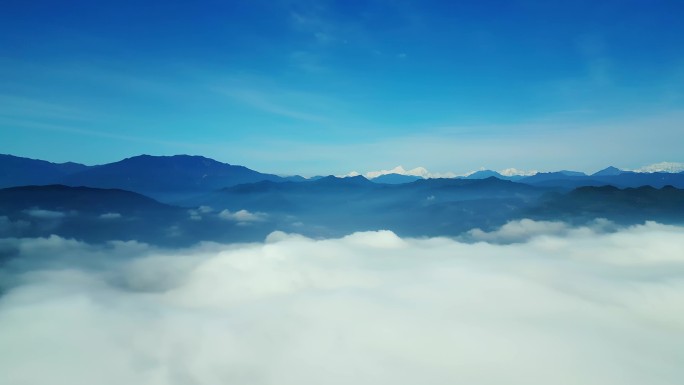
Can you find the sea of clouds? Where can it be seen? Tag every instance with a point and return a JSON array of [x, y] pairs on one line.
[[520, 305]]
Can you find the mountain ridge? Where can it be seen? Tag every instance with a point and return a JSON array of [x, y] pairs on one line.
[[175, 177]]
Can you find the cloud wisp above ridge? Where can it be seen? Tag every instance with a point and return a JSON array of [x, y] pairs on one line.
[[575, 307]]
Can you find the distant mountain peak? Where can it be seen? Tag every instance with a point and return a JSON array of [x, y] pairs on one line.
[[608, 171], [172, 158], [482, 174], [349, 180], [396, 179], [507, 173], [572, 173]]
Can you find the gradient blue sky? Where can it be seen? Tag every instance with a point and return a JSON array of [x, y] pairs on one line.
[[316, 87]]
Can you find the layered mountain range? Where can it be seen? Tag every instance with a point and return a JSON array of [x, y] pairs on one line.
[[181, 199]]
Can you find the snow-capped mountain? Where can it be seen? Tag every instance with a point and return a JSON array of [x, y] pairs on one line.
[[516, 172], [673, 167], [422, 172], [508, 172], [399, 170]]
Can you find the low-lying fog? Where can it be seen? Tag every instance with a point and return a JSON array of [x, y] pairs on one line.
[[531, 303]]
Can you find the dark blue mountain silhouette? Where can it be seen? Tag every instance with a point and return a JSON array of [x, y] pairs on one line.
[[166, 177], [395, 179], [608, 171], [81, 199], [637, 179], [556, 175], [328, 206], [101, 215], [18, 171], [482, 174], [629, 205], [162, 177], [336, 206], [623, 180], [84, 213]]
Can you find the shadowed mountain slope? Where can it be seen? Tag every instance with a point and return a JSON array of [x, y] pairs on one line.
[[322, 208], [629, 205], [166, 177], [18, 171]]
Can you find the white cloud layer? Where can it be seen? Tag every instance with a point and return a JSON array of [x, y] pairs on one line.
[[580, 307]]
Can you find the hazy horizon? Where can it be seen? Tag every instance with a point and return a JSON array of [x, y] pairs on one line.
[[662, 166]]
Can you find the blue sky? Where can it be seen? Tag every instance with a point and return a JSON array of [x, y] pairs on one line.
[[316, 87]]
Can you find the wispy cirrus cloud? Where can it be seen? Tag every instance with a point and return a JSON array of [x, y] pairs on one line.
[[275, 103], [93, 132], [15, 106]]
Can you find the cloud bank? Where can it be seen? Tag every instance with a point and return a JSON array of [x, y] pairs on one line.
[[525, 229], [568, 306]]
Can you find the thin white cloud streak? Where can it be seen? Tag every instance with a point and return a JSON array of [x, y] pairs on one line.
[[44, 214], [371, 308], [110, 216], [30, 124], [266, 103], [18, 106]]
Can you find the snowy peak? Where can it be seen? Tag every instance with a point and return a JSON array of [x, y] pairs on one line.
[[420, 172], [516, 172], [671, 167]]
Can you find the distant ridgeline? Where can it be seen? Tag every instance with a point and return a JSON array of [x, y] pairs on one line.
[[180, 200]]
